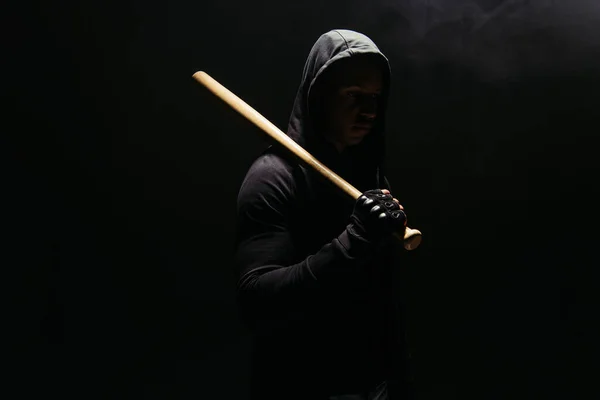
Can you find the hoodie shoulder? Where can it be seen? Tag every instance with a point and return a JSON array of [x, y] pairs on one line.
[[270, 179]]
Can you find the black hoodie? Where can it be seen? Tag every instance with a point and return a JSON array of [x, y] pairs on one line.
[[321, 309]]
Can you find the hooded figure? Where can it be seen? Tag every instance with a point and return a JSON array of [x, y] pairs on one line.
[[320, 301]]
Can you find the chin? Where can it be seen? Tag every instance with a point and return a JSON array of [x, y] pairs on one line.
[[354, 141], [357, 136]]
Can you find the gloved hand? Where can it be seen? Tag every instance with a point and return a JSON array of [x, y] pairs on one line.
[[376, 216]]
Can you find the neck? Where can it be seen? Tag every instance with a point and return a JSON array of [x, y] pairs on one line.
[[338, 146]]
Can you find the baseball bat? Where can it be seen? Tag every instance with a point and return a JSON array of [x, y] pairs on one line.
[[412, 237]]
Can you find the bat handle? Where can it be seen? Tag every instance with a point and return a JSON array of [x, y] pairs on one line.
[[412, 238]]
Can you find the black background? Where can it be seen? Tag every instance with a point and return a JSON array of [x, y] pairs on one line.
[[122, 172]]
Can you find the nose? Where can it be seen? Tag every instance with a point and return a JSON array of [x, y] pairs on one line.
[[368, 107]]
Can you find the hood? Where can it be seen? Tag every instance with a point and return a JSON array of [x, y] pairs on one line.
[[359, 164]]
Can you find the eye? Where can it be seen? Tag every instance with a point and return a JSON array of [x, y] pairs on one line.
[[360, 96]]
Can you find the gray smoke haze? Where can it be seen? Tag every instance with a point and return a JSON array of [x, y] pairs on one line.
[[495, 38]]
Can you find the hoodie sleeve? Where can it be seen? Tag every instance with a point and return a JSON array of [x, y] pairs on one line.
[[271, 281]]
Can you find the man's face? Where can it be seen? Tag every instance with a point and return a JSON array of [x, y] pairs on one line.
[[352, 102]]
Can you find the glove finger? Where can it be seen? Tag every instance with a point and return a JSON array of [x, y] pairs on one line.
[[374, 193], [376, 210], [381, 217], [391, 205], [365, 203], [399, 217]]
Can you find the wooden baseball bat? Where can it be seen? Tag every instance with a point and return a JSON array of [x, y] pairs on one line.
[[412, 237]]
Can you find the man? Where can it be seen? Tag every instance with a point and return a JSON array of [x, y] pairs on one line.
[[316, 270]]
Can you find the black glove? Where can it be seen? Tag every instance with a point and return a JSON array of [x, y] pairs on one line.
[[376, 215]]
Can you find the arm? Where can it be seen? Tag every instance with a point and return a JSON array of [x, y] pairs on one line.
[[272, 284]]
